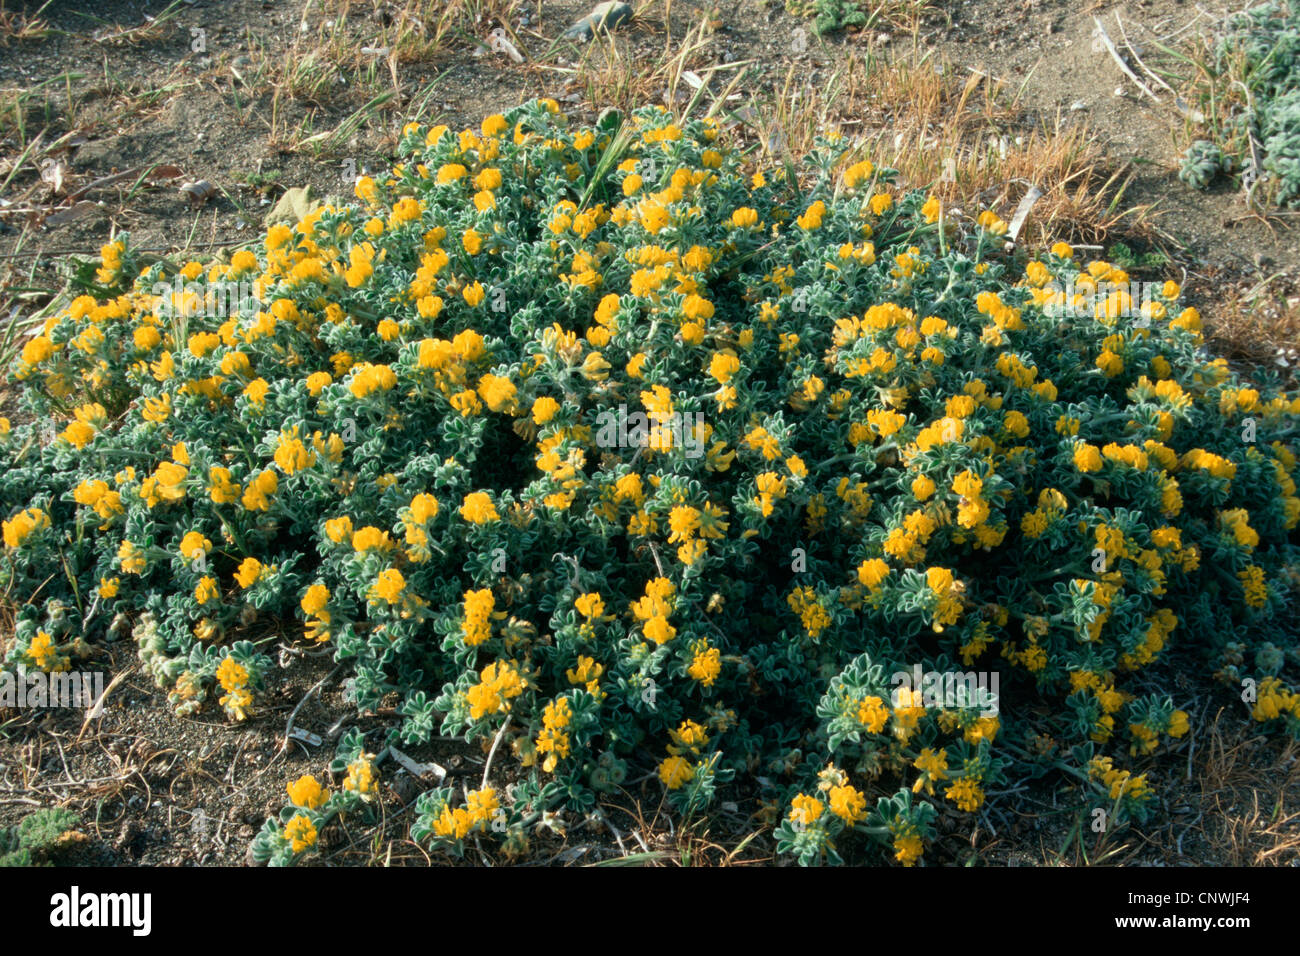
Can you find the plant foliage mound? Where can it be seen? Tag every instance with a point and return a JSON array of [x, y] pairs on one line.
[[1256, 69], [593, 445]]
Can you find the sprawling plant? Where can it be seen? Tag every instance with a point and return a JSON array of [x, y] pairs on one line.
[[1256, 68], [586, 443]]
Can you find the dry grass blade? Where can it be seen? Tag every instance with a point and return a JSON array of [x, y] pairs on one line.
[[22, 26]]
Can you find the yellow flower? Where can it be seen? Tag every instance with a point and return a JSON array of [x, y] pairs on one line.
[[872, 572], [207, 590], [553, 741], [316, 381], [360, 264], [479, 606], [499, 682], [723, 366], [544, 409], [590, 606], [369, 538], [336, 529], [872, 714], [291, 454], [658, 630], [806, 810], [450, 173], [157, 409], [478, 508], [306, 792], [231, 674], [676, 772], [966, 793], [368, 379], [684, 521], [365, 190], [222, 489], [361, 776], [587, 672], [1273, 700], [858, 173], [595, 368], [1087, 458], [388, 587], [301, 833], [17, 528], [78, 434], [1254, 588], [689, 735], [43, 651], [990, 221], [250, 569], [257, 495], [848, 803], [1237, 520], [697, 307], [908, 848], [498, 393], [812, 217], [706, 664], [744, 218], [934, 768], [424, 508], [1110, 363], [922, 487], [315, 599]]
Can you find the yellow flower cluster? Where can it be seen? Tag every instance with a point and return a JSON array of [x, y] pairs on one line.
[[361, 778], [1119, 783], [1274, 699], [815, 618], [553, 740], [306, 792], [480, 807], [498, 684], [301, 833], [655, 608], [17, 528], [233, 678]]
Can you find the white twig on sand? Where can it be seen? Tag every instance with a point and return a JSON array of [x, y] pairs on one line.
[[1022, 213], [496, 742], [618, 838], [418, 769], [1102, 35], [1191, 113], [288, 727], [659, 566], [1137, 59], [96, 708]]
